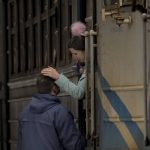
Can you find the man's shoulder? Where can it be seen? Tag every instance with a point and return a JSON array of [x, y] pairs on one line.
[[61, 110], [59, 107]]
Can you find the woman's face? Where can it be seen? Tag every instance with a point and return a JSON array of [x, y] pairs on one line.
[[77, 55]]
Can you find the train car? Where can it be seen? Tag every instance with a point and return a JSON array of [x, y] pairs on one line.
[[115, 114], [121, 87]]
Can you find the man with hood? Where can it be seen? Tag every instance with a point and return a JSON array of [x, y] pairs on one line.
[[45, 124]]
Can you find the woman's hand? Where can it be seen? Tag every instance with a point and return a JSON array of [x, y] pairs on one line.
[[50, 72]]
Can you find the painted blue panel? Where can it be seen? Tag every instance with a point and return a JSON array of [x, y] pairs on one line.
[[110, 136], [122, 111], [112, 139]]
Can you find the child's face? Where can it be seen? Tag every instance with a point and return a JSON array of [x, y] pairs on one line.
[[77, 55]]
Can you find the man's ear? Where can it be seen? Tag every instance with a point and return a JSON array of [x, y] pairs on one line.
[[55, 89]]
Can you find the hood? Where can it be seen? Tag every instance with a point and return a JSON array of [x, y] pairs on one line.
[[42, 102]]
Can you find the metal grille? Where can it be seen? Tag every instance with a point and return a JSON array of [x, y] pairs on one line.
[[38, 31]]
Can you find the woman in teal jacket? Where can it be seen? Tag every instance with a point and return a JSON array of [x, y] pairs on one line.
[[77, 48]]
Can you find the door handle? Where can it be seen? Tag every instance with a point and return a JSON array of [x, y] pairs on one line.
[[87, 83], [92, 78]]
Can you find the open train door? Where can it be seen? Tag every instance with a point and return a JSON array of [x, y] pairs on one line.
[[122, 79]]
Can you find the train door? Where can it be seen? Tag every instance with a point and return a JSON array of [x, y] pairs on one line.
[[121, 79]]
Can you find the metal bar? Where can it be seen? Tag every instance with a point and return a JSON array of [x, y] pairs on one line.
[[48, 32], [145, 83], [16, 45], [55, 50], [92, 77], [19, 99], [9, 51], [22, 37], [92, 81], [58, 20], [39, 36], [3, 76], [31, 48], [120, 3], [87, 81]]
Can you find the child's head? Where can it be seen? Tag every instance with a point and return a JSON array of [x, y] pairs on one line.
[[46, 85], [76, 44], [77, 48]]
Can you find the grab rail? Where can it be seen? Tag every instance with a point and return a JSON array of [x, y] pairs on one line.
[[92, 78], [87, 81]]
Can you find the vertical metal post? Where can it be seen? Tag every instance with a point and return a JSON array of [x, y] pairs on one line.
[[92, 77], [87, 81], [147, 65], [120, 3], [3, 76], [146, 84]]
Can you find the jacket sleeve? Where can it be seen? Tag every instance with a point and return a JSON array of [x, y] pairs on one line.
[[76, 91], [68, 134]]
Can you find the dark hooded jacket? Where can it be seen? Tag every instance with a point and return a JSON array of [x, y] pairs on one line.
[[46, 124]]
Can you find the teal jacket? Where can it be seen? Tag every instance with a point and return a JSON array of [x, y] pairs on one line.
[[76, 91]]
